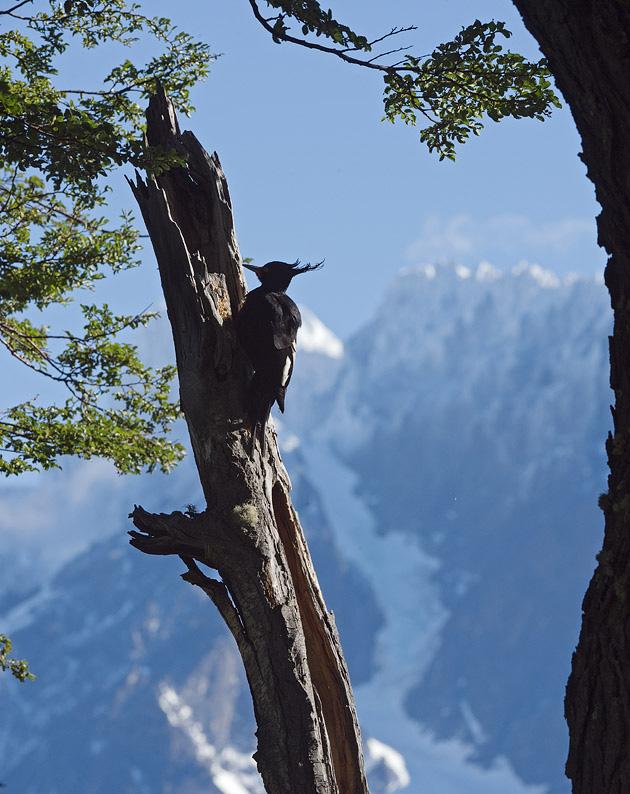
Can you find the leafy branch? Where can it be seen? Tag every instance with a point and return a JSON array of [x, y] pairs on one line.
[[17, 667], [451, 89], [118, 407], [57, 148]]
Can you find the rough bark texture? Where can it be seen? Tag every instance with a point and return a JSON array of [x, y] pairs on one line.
[[268, 595], [587, 44]]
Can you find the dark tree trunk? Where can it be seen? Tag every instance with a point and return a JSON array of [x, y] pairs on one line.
[[587, 44], [268, 595]]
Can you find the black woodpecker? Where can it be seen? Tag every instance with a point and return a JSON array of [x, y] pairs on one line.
[[267, 327]]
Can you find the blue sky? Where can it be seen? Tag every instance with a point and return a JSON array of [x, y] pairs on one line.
[[314, 173]]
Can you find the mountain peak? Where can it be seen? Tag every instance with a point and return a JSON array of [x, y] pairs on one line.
[[486, 272], [315, 337]]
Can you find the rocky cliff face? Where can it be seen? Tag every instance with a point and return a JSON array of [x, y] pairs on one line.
[[471, 413]]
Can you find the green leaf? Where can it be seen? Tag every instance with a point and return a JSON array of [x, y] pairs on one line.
[[17, 667]]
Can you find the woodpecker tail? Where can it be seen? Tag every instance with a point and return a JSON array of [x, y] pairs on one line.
[[260, 398], [280, 397]]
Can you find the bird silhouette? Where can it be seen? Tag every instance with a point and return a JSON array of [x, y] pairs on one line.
[[267, 326]]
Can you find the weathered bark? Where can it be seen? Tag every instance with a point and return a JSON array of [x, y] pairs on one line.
[[268, 595], [587, 44]]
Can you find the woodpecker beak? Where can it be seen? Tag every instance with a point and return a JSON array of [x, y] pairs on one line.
[[254, 269]]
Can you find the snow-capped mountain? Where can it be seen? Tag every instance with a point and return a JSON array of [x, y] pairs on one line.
[[446, 463], [469, 416], [140, 687]]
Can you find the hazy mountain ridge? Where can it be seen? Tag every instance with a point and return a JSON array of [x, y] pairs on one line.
[[140, 688], [473, 410], [446, 463]]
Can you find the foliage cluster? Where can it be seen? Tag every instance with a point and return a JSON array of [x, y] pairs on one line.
[[449, 91], [17, 667], [57, 144]]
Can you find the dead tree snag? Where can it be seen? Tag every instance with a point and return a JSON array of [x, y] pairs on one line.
[[268, 595]]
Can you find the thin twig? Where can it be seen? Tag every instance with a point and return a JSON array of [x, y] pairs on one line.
[[342, 54], [10, 191], [392, 32], [9, 11], [389, 52]]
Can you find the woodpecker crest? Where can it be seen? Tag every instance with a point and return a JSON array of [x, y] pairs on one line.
[[267, 326], [276, 276]]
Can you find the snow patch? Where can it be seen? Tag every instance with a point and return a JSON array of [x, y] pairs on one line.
[[315, 337], [472, 723], [487, 272], [462, 272], [23, 614], [230, 771], [428, 271], [544, 278], [394, 775], [289, 443]]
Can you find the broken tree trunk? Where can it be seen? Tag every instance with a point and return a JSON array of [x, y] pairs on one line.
[[268, 595], [587, 46]]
